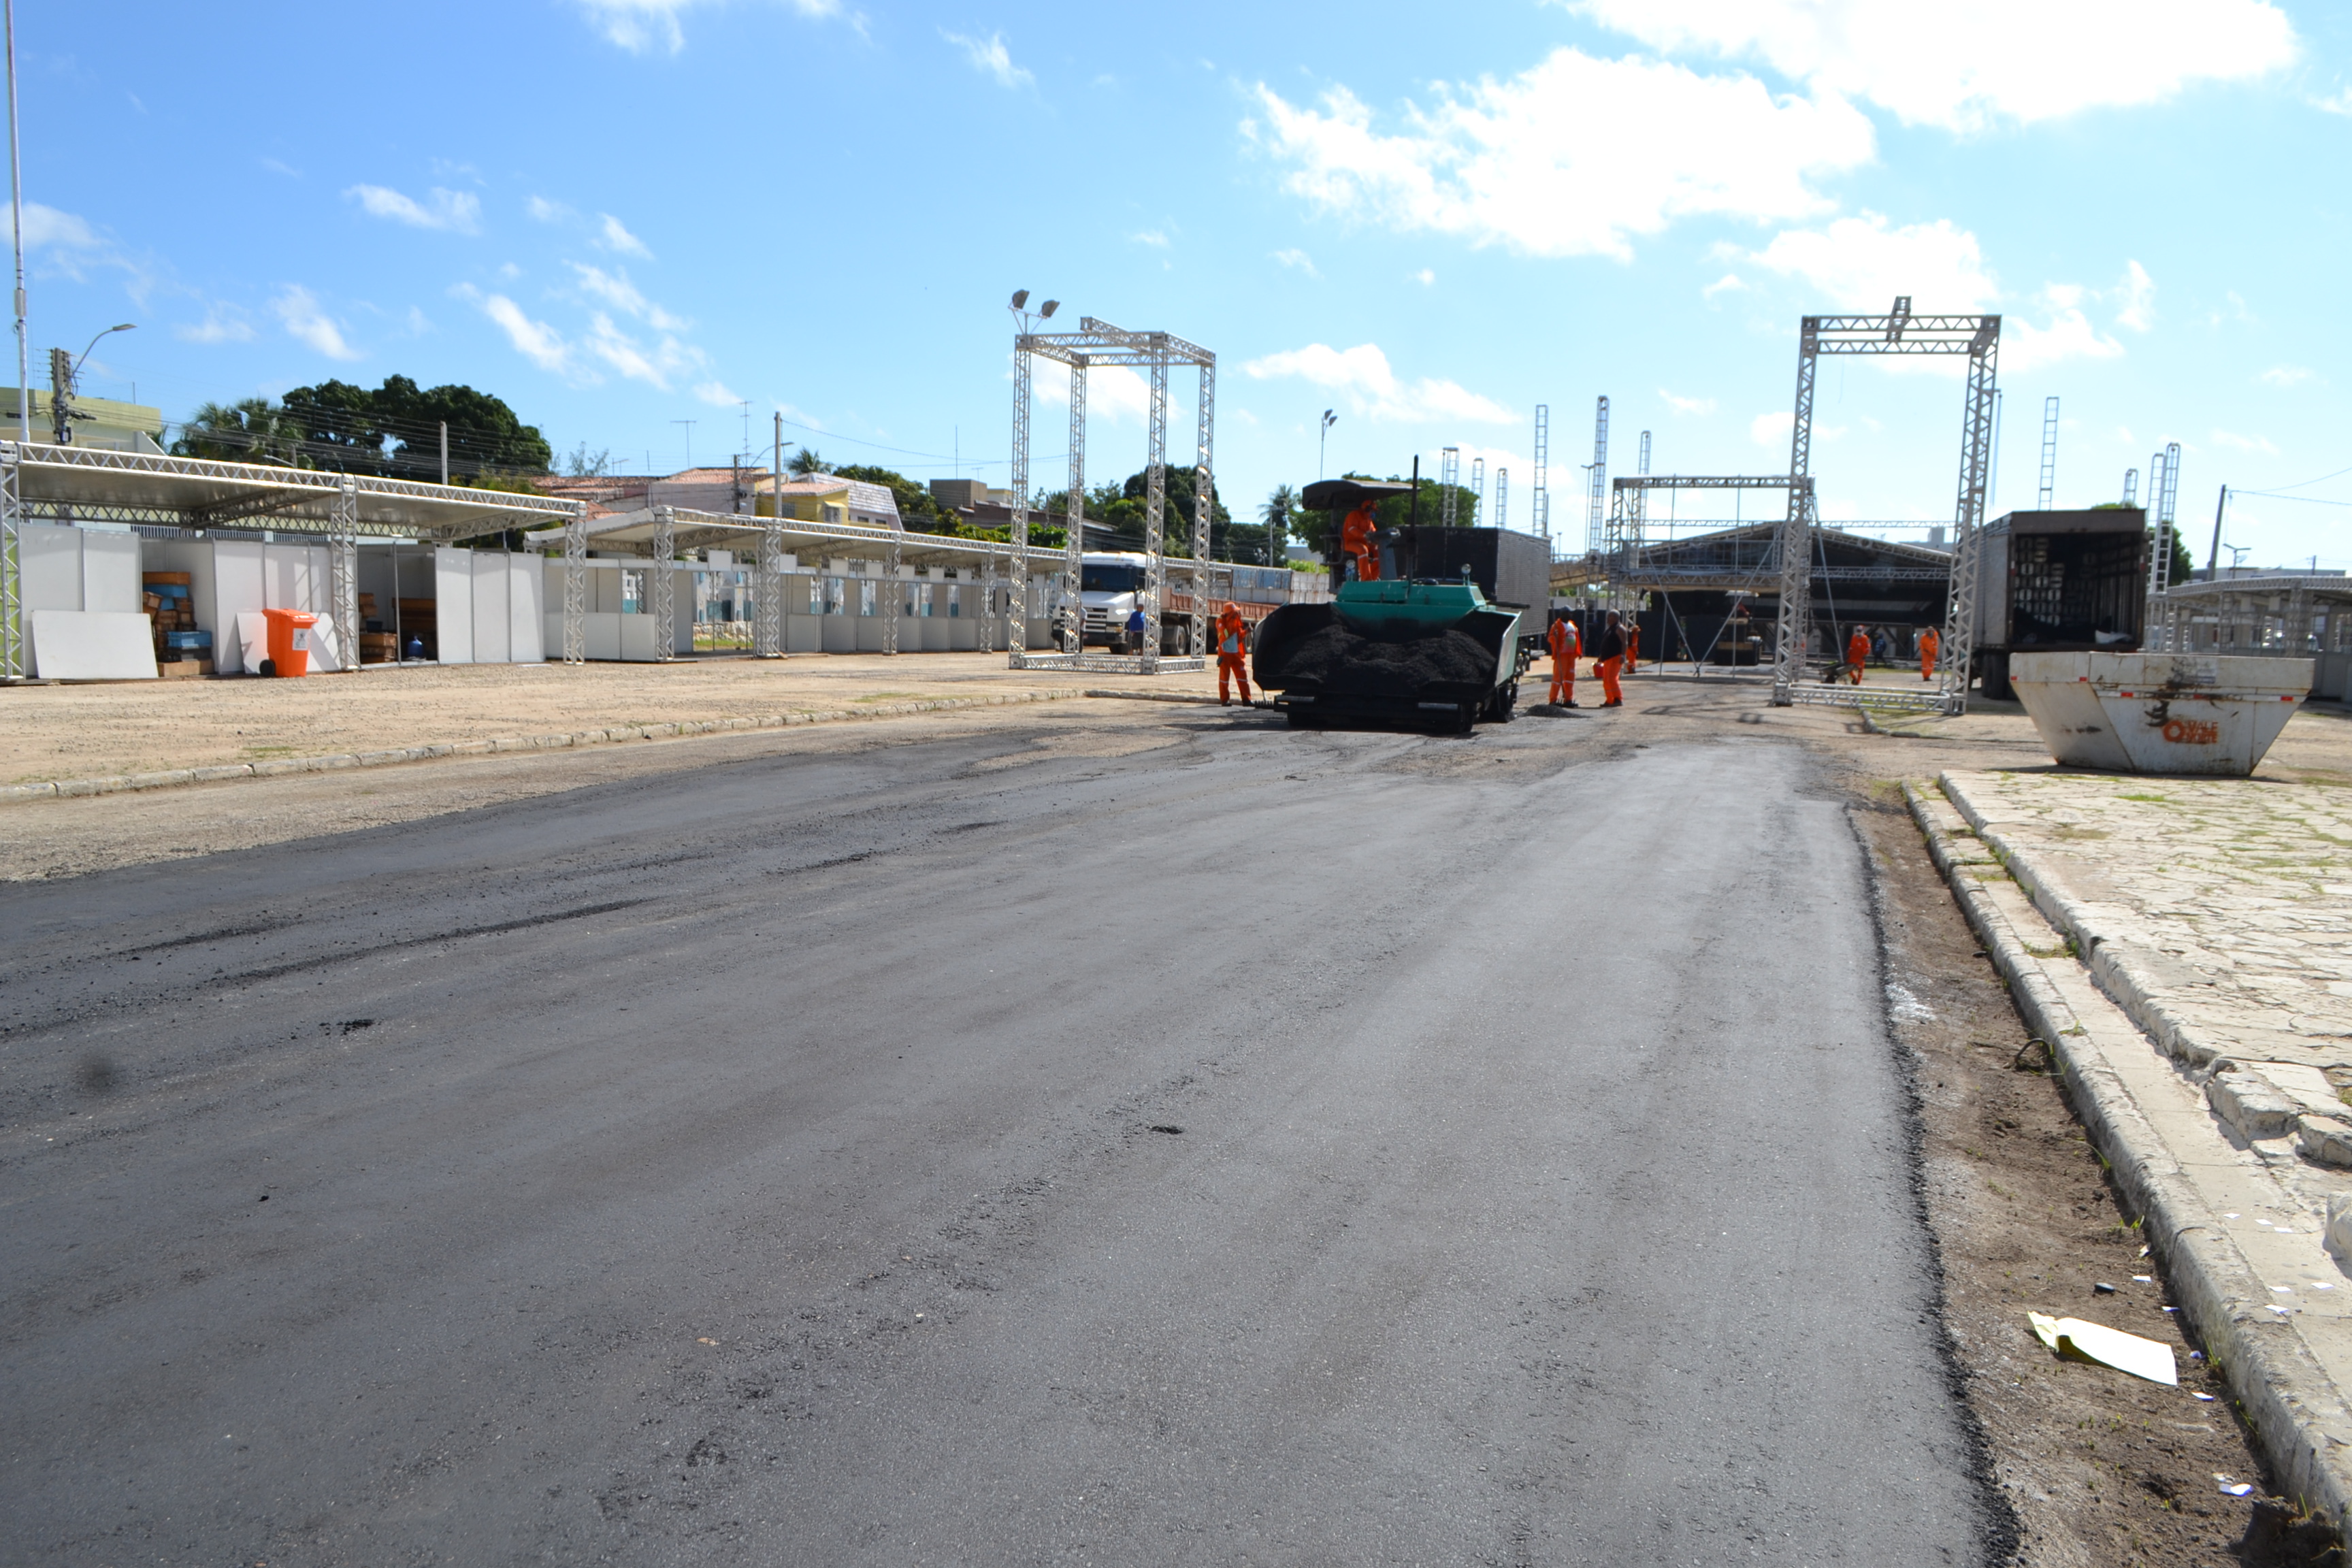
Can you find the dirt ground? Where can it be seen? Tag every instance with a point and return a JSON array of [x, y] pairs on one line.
[[2098, 1469], [105, 730]]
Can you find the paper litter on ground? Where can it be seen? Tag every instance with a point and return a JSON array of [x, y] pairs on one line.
[[2074, 1338]]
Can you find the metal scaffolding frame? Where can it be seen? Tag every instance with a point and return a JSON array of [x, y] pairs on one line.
[[1502, 499], [2163, 495], [2049, 486], [575, 588], [1097, 342], [1898, 332], [344, 573], [11, 624], [664, 585], [1540, 498], [1449, 481], [1597, 479]]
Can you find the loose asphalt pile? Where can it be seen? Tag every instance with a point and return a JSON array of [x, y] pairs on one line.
[[1342, 661]]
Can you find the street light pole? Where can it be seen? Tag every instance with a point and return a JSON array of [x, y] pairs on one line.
[[1322, 438], [16, 230]]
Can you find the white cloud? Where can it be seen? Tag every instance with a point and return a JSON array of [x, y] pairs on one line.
[[614, 238], [1373, 390], [614, 288], [47, 229], [1688, 405], [991, 58], [460, 212], [542, 210], [2068, 335], [1862, 264], [718, 394], [1300, 259], [221, 325], [1772, 430], [2138, 291], [1150, 236], [2287, 375], [535, 341], [1729, 283], [1543, 163], [643, 26], [1114, 392], [1426, 277], [2237, 443], [305, 322], [1963, 64], [2336, 103]]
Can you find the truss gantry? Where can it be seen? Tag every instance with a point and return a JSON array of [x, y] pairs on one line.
[[1097, 342], [1898, 333]]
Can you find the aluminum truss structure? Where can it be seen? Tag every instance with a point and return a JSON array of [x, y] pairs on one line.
[[1449, 482], [575, 589], [1597, 485], [1898, 332], [2049, 486], [663, 583], [1502, 499], [2163, 495], [1540, 499], [12, 523], [1097, 342], [2131, 486], [344, 573]]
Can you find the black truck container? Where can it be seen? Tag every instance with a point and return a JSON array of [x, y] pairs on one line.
[[2059, 582], [1511, 569]]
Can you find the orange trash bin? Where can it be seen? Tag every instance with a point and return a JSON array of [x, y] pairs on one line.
[[290, 640]]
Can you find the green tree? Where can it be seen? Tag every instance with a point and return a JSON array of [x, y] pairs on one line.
[[250, 430], [1280, 513], [394, 431], [807, 461]]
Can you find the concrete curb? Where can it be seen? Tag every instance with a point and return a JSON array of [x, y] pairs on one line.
[[130, 783], [2114, 970], [2284, 1390], [1166, 696]]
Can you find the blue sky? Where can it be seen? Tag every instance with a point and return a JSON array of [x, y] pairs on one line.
[[620, 215]]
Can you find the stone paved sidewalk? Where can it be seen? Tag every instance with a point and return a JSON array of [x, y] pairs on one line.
[[2219, 911]]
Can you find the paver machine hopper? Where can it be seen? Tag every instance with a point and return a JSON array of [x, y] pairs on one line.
[[1433, 652]]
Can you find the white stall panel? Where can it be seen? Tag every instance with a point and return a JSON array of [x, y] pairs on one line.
[[49, 568], [492, 630], [92, 644], [453, 603], [238, 581], [110, 573], [526, 610], [294, 577]]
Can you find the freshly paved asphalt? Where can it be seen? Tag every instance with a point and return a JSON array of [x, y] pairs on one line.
[[773, 1162]]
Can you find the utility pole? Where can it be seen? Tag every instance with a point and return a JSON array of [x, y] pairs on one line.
[[445, 451], [689, 425], [1330, 419], [2213, 561], [17, 229]]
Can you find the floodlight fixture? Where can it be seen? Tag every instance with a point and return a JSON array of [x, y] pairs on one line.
[[1045, 311], [1020, 297]]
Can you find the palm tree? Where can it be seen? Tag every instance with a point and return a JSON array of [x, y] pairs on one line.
[[250, 430], [1280, 508], [806, 461]]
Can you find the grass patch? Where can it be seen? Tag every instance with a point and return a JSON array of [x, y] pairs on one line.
[[888, 697]]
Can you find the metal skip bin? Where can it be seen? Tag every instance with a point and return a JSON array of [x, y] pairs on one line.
[[2160, 712]]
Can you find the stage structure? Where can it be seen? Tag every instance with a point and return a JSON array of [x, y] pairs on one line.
[[1100, 344], [1898, 332]]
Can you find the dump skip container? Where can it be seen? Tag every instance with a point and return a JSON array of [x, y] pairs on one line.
[[290, 640], [2160, 712]]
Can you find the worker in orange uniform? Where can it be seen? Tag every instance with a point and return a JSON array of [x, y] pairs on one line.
[[1608, 652], [1565, 648], [1929, 643], [1633, 645], [1356, 538], [1232, 642], [1857, 650]]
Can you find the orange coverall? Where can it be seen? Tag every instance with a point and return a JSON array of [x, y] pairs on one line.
[[1232, 637], [1356, 538], [1929, 643], [1633, 645], [1857, 649], [1565, 648]]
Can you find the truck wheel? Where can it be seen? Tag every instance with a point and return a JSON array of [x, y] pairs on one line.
[[1507, 703]]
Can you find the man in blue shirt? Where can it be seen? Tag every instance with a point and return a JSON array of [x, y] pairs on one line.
[[1135, 629]]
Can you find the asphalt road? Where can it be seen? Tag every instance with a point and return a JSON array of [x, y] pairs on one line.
[[780, 1163]]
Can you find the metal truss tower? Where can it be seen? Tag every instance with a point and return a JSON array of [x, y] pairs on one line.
[[1645, 469], [1541, 496], [2049, 452], [1449, 483], [1094, 344], [1502, 498], [2163, 493], [1898, 332], [1478, 493], [343, 573], [12, 598], [2131, 486], [1597, 485], [663, 583]]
